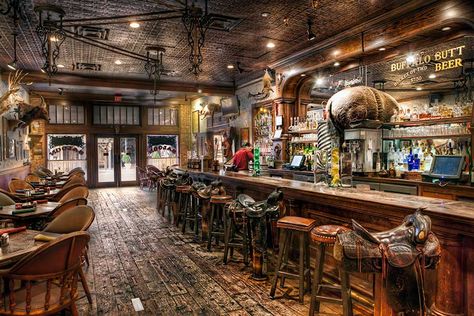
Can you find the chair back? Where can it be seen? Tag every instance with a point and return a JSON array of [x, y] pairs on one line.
[[76, 173], [18, 184], [32, 178], [49, 276], [77, 218], [11, 195], [43, 170], [75, 179], [63, 191], [5, 200], [76, 192], [66, 206]]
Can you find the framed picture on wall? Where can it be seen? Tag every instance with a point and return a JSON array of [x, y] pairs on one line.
[[195, 122], [244, 135]]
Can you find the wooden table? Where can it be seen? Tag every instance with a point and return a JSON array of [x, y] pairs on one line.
[[35, 197], [41, 211], [57, 184], [20, 245]]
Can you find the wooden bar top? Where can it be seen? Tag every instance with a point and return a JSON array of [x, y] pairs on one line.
[[452, 211]]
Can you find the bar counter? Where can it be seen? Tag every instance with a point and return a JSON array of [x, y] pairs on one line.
[[453, 223]]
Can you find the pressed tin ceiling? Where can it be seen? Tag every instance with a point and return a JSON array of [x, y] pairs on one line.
[[244, 43]]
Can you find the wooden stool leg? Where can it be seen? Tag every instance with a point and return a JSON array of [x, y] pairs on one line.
[[301, 266], [245, 241], [178, 206], [196, 207], [345, 292], [283, 237], [318, 276], [210, 227], [288, 243], [308, 264], [227, 233]]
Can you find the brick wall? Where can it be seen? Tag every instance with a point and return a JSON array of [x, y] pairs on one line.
[[184, 132]]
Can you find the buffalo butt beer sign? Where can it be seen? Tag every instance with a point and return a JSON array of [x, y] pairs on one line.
[[415, 65]]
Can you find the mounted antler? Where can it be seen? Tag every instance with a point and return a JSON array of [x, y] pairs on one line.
[[14, 82], [28, 113]]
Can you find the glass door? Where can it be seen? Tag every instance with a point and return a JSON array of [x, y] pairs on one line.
[[128, 160], [106, 160], [116, 163]]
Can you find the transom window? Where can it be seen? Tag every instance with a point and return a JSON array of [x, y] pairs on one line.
[[116, 115], [162, 116], [66, 114]]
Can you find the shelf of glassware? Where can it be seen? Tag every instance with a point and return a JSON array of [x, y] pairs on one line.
[[305, 131], [443, 130], [431, 121], [310, 141], [428, 137]]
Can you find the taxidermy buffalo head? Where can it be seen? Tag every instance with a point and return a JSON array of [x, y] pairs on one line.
[[27, 113]]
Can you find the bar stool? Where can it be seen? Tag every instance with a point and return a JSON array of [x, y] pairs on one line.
[[237, 233], [183, 194], [168, 194], [191, 212], [217, 217], [323, 236], [291, 226]]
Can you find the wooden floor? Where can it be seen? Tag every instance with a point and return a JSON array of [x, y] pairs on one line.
[[136, 253]]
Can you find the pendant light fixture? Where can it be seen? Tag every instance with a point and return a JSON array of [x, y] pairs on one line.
[[51, 34], [309, 31]]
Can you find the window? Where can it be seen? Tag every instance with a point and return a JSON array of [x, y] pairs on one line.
[[163, 116], [162, 150], [66, 152], [66, 114], [116, 115]]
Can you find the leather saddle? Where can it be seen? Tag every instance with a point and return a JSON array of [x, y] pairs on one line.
[[215, 188], [401, 254]]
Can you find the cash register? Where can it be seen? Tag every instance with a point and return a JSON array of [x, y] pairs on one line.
[[445, 169], [297, 163]]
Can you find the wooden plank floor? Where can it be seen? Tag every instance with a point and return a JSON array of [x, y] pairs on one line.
[[136, 253]]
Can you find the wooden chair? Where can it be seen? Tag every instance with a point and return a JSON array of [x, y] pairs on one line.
[[5, 200], [77, 192], [18, 184], [32, 178], [45, 171], [75, 179], [12, 196], [78, 172], [78, 218], [62, 192], [142, 177], [65, 206], [48, 276]]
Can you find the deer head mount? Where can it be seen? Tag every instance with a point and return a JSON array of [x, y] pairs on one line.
[[267, 88], [27, 113], [209, 109], [9, 98]]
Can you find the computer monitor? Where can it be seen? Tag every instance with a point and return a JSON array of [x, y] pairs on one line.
[[447, 167], [297, 161]]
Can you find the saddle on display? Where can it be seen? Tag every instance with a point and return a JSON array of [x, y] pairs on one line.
[[215, 188], [401, 254]]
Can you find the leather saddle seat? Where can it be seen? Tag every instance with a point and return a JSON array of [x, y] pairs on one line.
[[327, 233], [400, 254], [183, 189], [221, 199], [296, 223]]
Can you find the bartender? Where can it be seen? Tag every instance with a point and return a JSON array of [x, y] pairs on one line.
[[241, 159]]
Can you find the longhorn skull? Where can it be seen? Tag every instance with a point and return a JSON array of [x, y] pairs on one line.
[[14, 82]]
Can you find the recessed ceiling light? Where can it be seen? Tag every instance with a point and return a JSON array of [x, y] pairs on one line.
[[265, 14], [118, 62], [303, 75], [446, 28], [336, 52], [42, 70], [270, 45], [230, 66], [134, 25], [382, 49], [432, 76], [319, 81], [60, 66], [336, 64], [199, 90], [12, 66], [53, 39], [419, 88]]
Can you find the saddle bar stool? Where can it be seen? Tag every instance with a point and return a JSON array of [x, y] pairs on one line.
[[323, 236], [183, 193], [237, 233], [217, 215], [289, 226]]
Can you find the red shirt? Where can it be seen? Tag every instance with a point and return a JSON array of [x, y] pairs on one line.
[[242, 158]]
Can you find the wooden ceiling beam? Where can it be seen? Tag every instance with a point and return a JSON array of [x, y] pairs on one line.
[[126, 83]]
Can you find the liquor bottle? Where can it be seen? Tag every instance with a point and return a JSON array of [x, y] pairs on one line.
[[410, 160], [256, 161]]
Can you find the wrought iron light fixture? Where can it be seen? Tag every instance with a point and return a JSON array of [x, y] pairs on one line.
[[195, 22], [13, 7], [309, 31], [154, 65], [13, 64], [51, 34]]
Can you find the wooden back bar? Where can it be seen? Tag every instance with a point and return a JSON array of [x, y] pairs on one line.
[[453, 223]]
